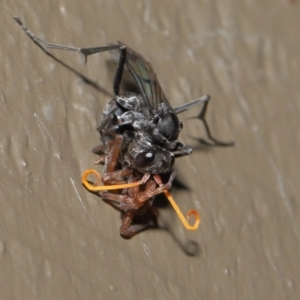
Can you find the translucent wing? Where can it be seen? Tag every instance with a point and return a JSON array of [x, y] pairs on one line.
[[144, 76]]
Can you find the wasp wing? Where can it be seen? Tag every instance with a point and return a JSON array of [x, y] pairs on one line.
[[144, 76]]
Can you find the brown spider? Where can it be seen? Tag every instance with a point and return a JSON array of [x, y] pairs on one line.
[[130, 191]]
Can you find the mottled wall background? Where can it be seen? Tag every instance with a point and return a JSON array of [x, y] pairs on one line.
[[58, 241]]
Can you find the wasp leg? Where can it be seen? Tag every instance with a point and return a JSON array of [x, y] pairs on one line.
[[181, 108], [110, 121], [216, 142], [119, 70], [182, 150], [85, 51]]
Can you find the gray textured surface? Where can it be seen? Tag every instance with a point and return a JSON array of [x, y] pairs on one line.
[[58, 241]]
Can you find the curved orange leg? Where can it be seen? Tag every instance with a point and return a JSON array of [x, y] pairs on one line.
[[185, 222], [181, 216], [96, 187], [137, 183]]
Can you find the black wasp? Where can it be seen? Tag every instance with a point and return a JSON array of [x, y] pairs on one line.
[[139, 131]]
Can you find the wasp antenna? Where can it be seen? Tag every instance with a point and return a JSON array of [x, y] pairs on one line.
[[181, 216]]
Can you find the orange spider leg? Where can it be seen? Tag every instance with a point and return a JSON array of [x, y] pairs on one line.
[[181, 216], [94, 188], [185, 222]]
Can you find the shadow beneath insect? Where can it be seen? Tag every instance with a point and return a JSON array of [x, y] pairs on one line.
[[85, 79], [190, 248]]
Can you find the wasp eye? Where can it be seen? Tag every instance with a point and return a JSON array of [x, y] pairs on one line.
[[144, 159]]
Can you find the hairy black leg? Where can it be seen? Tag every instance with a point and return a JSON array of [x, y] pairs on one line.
[[119, 70]]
